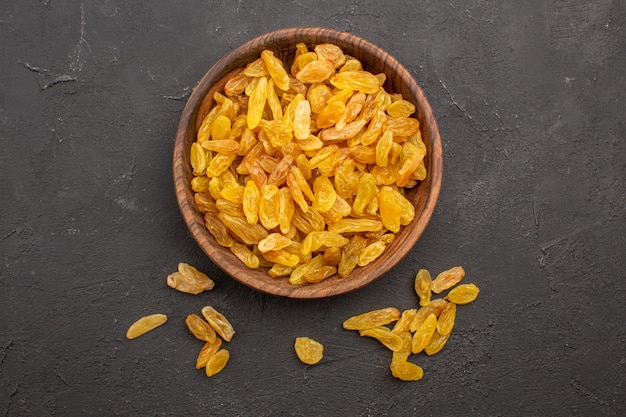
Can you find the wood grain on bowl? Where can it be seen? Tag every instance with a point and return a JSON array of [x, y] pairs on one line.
[[282, 43]]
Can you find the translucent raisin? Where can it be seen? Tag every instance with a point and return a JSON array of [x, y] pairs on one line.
[[423, 290], [447, 279], [308, 350], [372, 319], [463, 294], [217, 362]]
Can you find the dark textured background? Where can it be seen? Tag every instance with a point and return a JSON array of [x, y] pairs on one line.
[[530, 97]]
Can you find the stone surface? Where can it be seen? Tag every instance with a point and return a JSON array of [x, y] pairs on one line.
[[530, 100]]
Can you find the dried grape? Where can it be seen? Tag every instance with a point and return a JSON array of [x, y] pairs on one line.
[[145, 324], [308, 350]]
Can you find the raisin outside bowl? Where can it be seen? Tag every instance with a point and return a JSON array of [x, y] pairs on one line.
[[282, 43]]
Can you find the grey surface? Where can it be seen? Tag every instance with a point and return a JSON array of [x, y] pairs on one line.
[[530, 98]]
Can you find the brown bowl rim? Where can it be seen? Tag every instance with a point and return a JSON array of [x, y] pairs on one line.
[[259, 279]]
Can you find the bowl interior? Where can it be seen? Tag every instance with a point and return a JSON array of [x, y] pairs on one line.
[[282, 42]]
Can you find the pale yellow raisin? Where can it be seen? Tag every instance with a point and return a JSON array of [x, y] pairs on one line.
[[406, 371], [274, 241], [189, 280], [447, 279], [208, 350], [422, 286], [200, 328], [217, 362], [384, 335], [437, 342], [435, 307], [256, 105], [371, 252], [308, 350], [463, 294], [218, 322], [145, 324], [276, 69], [422, 336], [404, 323], [245, 255], [198, 159], [445, 323], [403, 354], [372, 319]]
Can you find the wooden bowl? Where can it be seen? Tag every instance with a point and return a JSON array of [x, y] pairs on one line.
[[282, 42]]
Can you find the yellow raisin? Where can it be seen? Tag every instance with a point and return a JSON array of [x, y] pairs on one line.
[[274, 241], [217, 362], [200, 184], [286, 209], [276, 69], [330, 114], [437, 342], [356, 226], [395, 209], [269, 206], [218, 322], [365, 192], [383, 147], [200, 328], [245, 255], [223, 146], [362, 81], [251, 201], [297, 276], [403, 354], [256, 69], [219, 164], [309, 351], [332, 256], [282, 257], [331, 53], [208, 350], [422, 286], [316, 71], [296, 192], [248, 234], [302, 120], [422, 336], [308, 221], [316, 239], [371, 252], [445, 323], [435, 307], [400, 108], [228, 207], [236, 85], [372, 319], [447, 279], [463, 294], [324, 193], [406, 371], [258, 97], [189, 280], [145, 324], [198, 159], [318, 95], [403, 324], [350, 255], [320, 273], [384, 335], [278, 270], [218, 230]]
